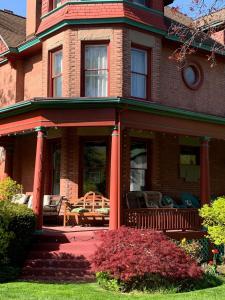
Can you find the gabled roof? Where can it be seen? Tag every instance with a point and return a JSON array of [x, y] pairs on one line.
[[177, 16], [12, 28]]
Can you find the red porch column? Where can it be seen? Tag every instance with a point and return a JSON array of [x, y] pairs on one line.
[[204, 171], [114, 180], [38, 188]]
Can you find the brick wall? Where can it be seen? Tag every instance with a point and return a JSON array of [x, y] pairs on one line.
[[33, 77], [7, 84], [209, 98]]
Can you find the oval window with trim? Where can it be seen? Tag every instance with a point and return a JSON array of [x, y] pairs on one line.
[[192, 76]]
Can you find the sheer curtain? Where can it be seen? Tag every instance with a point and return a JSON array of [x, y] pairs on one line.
[[138, 166], [57, 74], [139, 73], [96, 71]]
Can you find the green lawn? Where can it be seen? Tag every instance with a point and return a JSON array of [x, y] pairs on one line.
[[37, 291]]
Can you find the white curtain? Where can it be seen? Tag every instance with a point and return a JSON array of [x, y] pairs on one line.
[[138, 167], [96, 71], [138, 73], [57, 74]]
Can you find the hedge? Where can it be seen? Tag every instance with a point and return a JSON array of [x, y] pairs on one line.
[[17, 224]]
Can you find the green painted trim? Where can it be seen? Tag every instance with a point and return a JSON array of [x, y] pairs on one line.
[[2, 62], [28, 44], [101, 1], [162, 110], [175, 38], [130, 104], [101, 21], [4, 53]]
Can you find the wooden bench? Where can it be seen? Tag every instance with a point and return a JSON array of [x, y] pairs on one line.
[[88, 208]]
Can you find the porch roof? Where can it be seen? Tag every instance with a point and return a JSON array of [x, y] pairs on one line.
[[108, 102]]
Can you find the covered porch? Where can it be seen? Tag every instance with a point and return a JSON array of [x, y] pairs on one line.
[[50, 151]]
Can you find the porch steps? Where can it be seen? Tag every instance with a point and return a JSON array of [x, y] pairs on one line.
[[61, 257]]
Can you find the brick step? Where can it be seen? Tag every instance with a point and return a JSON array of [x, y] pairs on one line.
[[56, 272], [65, 238], [74, 279], [43, 254], [79, 245], [71, 263]]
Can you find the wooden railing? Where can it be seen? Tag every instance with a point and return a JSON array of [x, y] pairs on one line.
[[163, 219]]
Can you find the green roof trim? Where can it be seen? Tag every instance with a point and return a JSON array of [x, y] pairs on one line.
[[28, 44], [109, 102], [100, 2], [2, 62]]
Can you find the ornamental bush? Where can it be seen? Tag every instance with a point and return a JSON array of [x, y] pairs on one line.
[[214, 220], [17, 224], [9, 188], [139, 259]]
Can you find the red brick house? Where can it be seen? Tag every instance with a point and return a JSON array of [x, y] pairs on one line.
[[91, 101]]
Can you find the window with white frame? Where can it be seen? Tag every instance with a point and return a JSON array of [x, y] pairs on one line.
[[56, 74], [139, 73], [96, 70]]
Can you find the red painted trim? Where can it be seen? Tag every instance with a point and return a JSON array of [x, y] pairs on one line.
[[114, 180], [149, 67], [51, 54], [95, 42], [38, 187]]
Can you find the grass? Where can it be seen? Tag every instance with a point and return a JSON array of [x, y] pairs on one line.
[[38, 291]]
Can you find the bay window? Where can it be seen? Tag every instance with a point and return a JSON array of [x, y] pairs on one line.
[[56, 74], [95, 70], [139, 73]]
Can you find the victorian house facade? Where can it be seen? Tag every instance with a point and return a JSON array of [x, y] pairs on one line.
[[91, 101]]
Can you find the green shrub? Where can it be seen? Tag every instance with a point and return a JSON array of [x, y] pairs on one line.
[[9, 188], [17, 224]]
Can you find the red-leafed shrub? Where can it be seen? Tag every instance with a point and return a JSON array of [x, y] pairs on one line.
[[130, 255]]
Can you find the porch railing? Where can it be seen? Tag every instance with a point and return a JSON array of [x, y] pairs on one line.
[[163, 219]]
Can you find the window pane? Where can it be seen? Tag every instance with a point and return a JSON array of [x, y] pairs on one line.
[[96, 83], [138, 155], [138, 85], [56, 171], [137, 180], [94, 168], [56, 3], [57, 63], [57, 86], [138, 166], [139, 61], [96, 57]]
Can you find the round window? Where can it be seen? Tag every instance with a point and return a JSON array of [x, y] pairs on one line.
[[192, 76]]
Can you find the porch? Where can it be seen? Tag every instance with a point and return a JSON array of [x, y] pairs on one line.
[[55, 158]]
